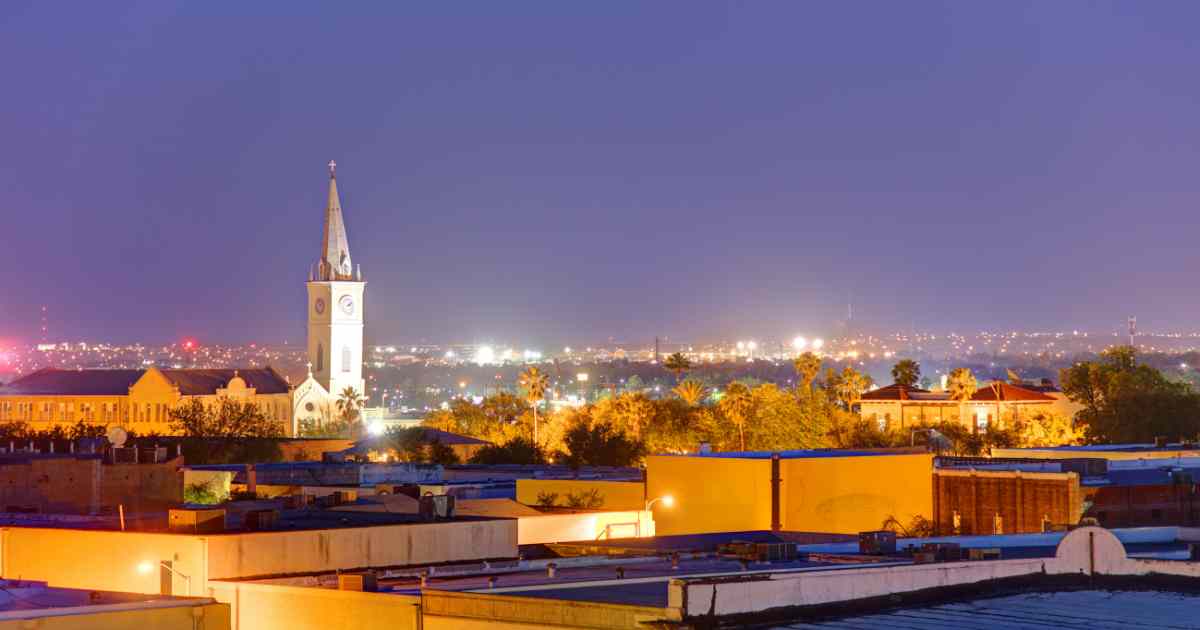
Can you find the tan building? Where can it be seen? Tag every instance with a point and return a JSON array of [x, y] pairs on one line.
[[138, 399], [898, 407]]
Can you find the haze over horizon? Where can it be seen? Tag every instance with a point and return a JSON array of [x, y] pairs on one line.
[[555, 171]]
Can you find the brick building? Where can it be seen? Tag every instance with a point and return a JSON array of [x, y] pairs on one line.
[[971, 502]]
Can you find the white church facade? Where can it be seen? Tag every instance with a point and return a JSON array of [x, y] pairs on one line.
[[335, 322]]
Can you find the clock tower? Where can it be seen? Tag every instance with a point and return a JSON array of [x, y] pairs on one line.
[[335, 307]]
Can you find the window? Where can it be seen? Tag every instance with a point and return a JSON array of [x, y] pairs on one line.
[[320, 357], [346, 358]]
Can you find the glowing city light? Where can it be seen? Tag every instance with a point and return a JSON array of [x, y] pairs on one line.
[[375, 428], [817, 344], [485, 355], [799, 344]]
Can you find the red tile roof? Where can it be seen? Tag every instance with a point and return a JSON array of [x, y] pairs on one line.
[[893, 392], [1009, 393]]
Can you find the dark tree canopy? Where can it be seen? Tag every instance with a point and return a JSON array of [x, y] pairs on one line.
[[1129, 402]]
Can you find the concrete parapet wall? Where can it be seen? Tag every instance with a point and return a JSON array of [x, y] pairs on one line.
[[277, 607], [313, 551]]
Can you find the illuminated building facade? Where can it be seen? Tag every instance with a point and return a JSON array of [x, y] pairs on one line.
[[138, 399], [335, 320]]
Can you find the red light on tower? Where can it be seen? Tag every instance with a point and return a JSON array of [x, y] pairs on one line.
[[189, 344]]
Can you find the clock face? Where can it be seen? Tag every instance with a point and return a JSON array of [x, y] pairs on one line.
[[347, 304], [319, 306]]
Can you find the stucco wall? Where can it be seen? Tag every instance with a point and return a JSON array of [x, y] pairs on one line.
[[105, 560], [712, 494], [282, 553], [549, 528], [847, 495], [278, 607]]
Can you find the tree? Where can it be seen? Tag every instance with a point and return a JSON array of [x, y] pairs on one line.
[[677, 363], [535, 383], [961, 385], [497, 419], [226, 418], [1128, 402], [348, 404], [849, 385], [517, 451], [691, 391], [1047, 429], [600, 445], [807, 366], [737, 404], [906, 372]]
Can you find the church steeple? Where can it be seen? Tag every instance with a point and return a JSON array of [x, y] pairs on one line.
[[335, 249]]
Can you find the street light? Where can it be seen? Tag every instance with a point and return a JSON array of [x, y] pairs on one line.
[[146, 568], [667, 501]]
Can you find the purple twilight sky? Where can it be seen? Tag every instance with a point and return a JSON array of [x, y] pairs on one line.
[[547, 171]]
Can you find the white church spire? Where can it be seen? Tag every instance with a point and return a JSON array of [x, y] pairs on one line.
[[335, 261]]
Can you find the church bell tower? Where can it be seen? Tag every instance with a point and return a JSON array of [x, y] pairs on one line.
[[335, 306]]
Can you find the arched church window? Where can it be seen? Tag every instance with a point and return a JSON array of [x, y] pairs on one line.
[[320, 357], [346, 358]]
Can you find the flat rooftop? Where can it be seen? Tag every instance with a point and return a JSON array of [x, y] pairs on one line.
[[1111, 448], [1099, 610], [644, 582], [802, 454], [26, 596]]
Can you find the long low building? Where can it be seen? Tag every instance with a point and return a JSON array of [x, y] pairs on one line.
[[897, 407], [139, 400]]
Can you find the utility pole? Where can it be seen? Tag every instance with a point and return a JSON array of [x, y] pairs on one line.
[[1132, 330]]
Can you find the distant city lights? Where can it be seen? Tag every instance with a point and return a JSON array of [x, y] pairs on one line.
[[485, 355]]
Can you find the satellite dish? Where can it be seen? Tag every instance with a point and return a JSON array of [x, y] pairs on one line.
[[117, 436]]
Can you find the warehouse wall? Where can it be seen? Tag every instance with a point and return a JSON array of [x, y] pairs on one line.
[[279, 607], [847, 495], [712, 494]]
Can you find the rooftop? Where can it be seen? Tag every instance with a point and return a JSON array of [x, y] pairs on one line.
[[1100, 610], [50, 381], [20, 597], [803, 454]]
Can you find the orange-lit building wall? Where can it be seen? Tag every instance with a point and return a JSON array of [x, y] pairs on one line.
[[712, 494]]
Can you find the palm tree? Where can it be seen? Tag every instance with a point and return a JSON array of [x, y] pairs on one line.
[[678, 364], [535, 383], [807, 365], [850, 385], [737, 403], [348, 404], [962, 386], [691, 391], [906, 372]]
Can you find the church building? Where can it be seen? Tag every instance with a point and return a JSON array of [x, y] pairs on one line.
[[335, 321], [141, 399]]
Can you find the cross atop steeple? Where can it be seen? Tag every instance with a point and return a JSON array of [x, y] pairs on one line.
[[332, 168]]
